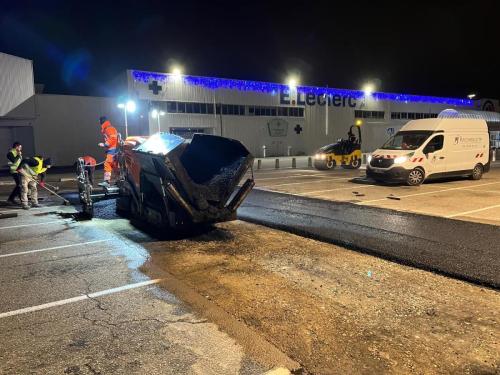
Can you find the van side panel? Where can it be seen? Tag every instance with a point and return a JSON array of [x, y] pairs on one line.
[[466, 149]]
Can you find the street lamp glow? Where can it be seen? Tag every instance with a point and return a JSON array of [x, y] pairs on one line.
[[131, 106], [368, 89], [156, 115], [177, 71], [292, 82], [121, 105]]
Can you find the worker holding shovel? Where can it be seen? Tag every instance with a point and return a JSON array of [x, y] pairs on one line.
[[29, 171], [28, 183]]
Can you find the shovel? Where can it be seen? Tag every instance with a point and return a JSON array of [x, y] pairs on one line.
[[66, 202]]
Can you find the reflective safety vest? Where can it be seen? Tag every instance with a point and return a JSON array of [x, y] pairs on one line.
[[39, 168], [14, 166]]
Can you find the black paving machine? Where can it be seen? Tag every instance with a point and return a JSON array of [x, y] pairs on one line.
[[169, 182]]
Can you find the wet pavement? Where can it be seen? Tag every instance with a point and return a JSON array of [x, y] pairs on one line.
[[86, 297], [74, 301]]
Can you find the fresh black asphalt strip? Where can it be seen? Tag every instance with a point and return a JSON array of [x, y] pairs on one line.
[[463, 250]]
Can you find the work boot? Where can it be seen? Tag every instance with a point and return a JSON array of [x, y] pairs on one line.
[[26, 206], [104, 184], [11, 202], [35, 205]]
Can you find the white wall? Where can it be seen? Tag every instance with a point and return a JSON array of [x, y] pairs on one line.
[[67, 127], [16, 85]]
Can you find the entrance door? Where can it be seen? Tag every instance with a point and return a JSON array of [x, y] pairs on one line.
[[277, 148]]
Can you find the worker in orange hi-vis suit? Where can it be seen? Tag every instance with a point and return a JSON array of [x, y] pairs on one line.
[[110, 143]]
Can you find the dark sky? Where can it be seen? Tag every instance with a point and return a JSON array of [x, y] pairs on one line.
[[436, 48]]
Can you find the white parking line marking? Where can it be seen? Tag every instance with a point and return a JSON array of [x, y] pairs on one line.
[[344, 188], [473, 211], [257, 179], [33, 224], [311, 182], [31, 209], [52, 248], [77, 299], [280, 191], [429, 192], [485, 191]]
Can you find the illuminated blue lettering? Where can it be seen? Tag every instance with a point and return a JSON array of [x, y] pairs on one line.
[[310, 98], [284, 97]]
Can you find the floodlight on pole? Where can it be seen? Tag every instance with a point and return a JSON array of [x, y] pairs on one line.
[[129, 106], [292, 82], [368, 89], [157, 114], [176, 72]]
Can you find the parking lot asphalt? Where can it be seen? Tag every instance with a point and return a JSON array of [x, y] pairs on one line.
[[74, 301], [459, 198], [74, 298]]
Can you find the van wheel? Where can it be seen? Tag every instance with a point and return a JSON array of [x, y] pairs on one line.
[[477, 172], [415, 177], [330, 164]]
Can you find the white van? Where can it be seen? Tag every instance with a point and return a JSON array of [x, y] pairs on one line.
[[433, 148]]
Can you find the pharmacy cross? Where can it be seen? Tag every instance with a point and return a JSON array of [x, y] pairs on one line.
[[155, 87], [298, 129]]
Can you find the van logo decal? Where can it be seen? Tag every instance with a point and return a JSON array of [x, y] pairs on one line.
[[457, 139]]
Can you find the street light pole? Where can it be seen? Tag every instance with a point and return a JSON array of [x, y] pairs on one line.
[[126, 123], [129, 106]]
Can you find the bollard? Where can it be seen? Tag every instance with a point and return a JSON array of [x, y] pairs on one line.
[[264, 151], [277, 163], [259, 164], [309, 162], [289, 153], [294, 163]]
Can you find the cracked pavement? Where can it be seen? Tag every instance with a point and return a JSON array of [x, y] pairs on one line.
[[136, 331]]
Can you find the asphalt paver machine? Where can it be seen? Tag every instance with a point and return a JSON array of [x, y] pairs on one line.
[[169, 182]]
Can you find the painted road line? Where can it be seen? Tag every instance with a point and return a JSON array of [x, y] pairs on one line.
[[473, 211], [429, 192], [344, 188], [52, 248], [34, 208], [485, 191], [313, 182], [82, 297], [33, 224], [257, 179], [281, 192]]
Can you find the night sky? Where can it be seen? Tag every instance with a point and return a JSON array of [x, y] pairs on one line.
[[440, 48]]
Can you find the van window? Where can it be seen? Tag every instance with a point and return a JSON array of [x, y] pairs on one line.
[[407, 140], [434, 144]]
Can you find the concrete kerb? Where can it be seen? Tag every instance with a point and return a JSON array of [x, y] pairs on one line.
[[283, 162]]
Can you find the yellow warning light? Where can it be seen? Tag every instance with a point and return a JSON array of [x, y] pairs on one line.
[[359, 122]]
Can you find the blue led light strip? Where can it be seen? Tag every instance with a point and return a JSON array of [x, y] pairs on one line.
[[274, 88]]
